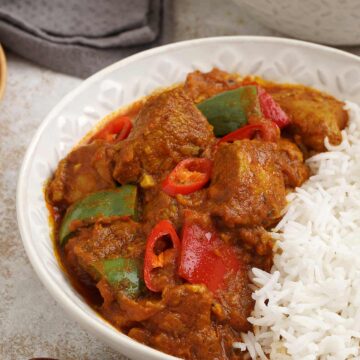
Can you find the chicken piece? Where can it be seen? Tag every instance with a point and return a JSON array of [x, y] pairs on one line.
[[183, 328], [259, 244], [313, 114], [200, 86], [257, 239], [255, 242], [247, 187], [124, 311], [291, 161], [235, 299], [104, 241], [85, 170], [168, 129], [158, 205]]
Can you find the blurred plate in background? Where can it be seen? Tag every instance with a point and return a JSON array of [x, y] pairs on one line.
[[333, 22]]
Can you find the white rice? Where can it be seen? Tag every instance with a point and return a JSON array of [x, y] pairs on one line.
[[309, 306]]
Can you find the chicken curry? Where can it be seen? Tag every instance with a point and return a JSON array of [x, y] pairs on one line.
[[161, 213]]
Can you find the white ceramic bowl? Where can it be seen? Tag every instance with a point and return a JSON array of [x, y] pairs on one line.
[[333, 22], [121, 83]]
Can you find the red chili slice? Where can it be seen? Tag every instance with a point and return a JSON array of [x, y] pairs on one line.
[[205, 259], [153, 260], [268, 131], [188, 176], [116, 130]]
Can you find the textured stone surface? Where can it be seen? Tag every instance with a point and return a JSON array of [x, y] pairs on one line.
[[32, 324]]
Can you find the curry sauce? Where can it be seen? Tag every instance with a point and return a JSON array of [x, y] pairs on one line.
[[157, 221]]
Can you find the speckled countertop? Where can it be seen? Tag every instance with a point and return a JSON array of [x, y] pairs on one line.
[[32, 324]]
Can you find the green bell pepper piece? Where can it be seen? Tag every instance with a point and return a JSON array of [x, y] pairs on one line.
[[122, 274], [114, 202], [229, 110]]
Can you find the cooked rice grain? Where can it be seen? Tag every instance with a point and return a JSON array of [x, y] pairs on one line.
[[309, 306]]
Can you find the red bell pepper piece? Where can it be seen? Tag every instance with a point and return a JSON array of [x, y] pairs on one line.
[[205, 259], [153, 260], [116, 130], [188, 176], [268, 131], [271, 110]]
